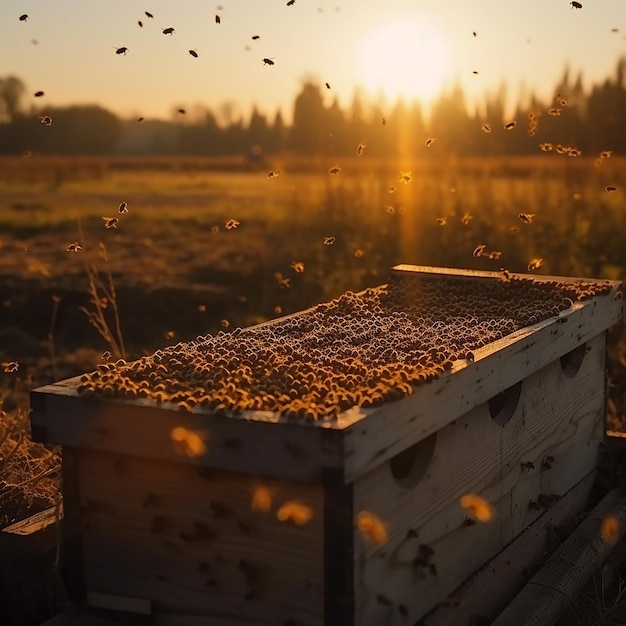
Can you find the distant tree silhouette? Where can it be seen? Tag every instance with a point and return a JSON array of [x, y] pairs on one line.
[[12, 91], [307, 134]]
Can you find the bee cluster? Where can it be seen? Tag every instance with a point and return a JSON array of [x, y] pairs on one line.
[[357, 350]]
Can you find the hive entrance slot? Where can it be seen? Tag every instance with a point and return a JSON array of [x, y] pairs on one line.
[[409, 466], [503, 405], [571, 362]]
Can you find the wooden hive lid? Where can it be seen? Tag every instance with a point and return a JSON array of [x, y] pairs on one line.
[[447, 340]]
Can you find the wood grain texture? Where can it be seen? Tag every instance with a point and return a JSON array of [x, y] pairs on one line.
[[551, 590], [190, 543], [557, 417]]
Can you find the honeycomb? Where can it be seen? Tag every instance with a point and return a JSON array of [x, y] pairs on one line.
[[361, 349]]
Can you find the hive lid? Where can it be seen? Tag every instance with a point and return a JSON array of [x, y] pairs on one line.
[[421, 351]]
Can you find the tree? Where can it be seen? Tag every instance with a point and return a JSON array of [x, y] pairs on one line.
[[307, 133], [12, 90]]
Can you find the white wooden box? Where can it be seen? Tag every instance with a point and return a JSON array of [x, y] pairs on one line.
[[372, 515]]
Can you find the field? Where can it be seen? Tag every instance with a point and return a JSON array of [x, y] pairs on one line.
[[208, 245]]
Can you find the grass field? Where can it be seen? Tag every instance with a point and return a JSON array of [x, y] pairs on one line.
[[295, 239]]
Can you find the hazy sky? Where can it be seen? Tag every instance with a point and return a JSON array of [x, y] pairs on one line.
[[342, 42]]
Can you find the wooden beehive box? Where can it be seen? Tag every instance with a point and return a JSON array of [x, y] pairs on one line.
[[351, 464]]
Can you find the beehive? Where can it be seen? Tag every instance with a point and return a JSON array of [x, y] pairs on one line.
[[350, 464]]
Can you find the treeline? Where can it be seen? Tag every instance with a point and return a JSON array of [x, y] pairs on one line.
[[589, 120]]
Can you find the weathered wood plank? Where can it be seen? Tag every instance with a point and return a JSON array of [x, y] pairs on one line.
[[188, 540], [489, 592], [557, 417], [373, 436], [551, 590]]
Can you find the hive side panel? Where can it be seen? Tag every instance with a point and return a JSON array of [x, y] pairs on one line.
[[194, 541], [433, 542]]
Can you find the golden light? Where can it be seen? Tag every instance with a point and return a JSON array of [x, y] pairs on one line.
[[372, 527], [408, 57], [610, 530], [477, 507]]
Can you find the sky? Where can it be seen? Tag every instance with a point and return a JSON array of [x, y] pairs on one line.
[[67, 48]]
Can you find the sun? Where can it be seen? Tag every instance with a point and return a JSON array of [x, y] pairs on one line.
[[408, 58]]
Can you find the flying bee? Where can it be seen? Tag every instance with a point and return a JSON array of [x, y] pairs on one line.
[[24, 18], [442, 221], [384, 121], [106, 355], [46, 120], [140, 119], [193, 53], [224, 323], [554, 112], [358, 253], [576, 5], [535, 264], [74, 247], [510, 125], [527, 218], [297, 266], [391, 190], [478, 250], [574, 152], [169, 30], [494, 255], [10, 366], [256, 36], [475, 72], [390, 209], [110, 222], [327, 85], [562, 102], [334, 170], [466, 219], [148, 14], [218, 19], [230, 224], [430, 141], [546, 147], [291, 3], [121, 50], [360, 149], [268, 61], [611, 188], [329, 241], [486, 128], [405, 177], [605, 154], [123, 208], [140, 23], [182, 111], [273, 174], [560, 149], [38, 94]]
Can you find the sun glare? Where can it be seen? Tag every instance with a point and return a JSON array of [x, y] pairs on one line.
[[407, 58]]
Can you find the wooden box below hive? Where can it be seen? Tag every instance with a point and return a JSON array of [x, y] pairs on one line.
[[370, 513]]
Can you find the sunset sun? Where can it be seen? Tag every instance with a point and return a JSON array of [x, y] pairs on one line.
[[406, 58]]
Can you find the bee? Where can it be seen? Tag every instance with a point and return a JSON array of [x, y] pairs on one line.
[[546, 147], [168, 334], [442, 221], [215, 229], [121, 50], [268, 61], [334, 170], [182, 111], [494, 255], [576, 5], [193, 53], [123, 208], [24, 17], [554, 112], [405, 177], [329, 241], [148, 14], [360, 149], [510, 125], [535, 264], [297, 266], [478, 250], [106, 355], [527, 218], [358, 253], [430, 141], [486, 128], [74, 247], [475, 72], [527, 466], [38, 94], [391, 190], [327, 85], [169, 31], [560, 149], [574, 152], [469, 357], [218, 19], [140, 23], [466, 219], [390, 209], [225, 323], [230, 224], [256, 37], [10, 366], [46, 120], [611, 188], [562, 102], [110, 222], [272, 174], [474, 33], [290, 3], [384, 121], [548, 460], [140, 119]]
